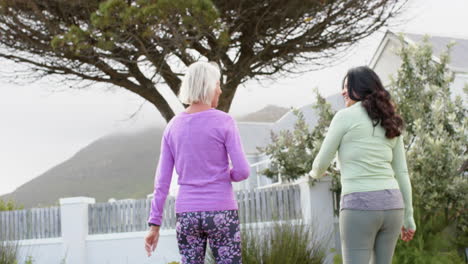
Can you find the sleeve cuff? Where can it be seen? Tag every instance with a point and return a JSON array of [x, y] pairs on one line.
[[313, 174], [155, 221], [409, 220]]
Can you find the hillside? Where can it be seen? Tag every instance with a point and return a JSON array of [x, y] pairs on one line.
[[118, 166], [269, 113]]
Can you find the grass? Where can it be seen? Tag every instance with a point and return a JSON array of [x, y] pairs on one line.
[[280, 243], [8, 252]]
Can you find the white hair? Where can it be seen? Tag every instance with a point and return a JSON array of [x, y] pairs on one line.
[[199, 83]]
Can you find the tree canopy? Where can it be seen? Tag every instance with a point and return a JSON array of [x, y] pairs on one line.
[[140, 45]]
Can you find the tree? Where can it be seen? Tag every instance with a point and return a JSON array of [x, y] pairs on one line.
[[141, 44], [435, 138], [292, 151], [9, 206]]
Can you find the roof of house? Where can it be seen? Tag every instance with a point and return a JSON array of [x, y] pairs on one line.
[[458, 53]]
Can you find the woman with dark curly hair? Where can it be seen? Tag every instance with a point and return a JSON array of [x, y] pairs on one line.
[[376, 202]]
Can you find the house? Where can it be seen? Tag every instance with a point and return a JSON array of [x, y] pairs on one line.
[[386, 62]]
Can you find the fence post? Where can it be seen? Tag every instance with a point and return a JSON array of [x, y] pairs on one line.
[[74, 223], [317, 201], [318, 210]]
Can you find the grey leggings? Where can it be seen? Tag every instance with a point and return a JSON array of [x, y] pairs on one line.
[[366, 234]]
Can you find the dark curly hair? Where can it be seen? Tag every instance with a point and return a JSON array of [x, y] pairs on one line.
[[364, 85]]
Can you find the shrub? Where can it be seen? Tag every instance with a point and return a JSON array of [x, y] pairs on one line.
[[281, 243], [8, 252]]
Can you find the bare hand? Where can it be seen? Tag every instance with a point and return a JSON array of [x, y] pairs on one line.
[[151, 240], [407, 234]]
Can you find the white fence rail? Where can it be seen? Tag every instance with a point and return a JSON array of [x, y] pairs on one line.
[[269, 204], [30, 223], [256, 205], [127, 216]]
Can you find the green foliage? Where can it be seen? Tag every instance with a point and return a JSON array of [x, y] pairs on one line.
[[29, 260], [10, 205], [115, 21], [434, 243], [292, 152], [8, 252], [436, 137], [282, 243], [337, 258]]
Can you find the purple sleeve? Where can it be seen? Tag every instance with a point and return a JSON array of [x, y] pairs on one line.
[[240, 166], [162, 182]]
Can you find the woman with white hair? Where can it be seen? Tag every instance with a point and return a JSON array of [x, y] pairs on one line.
[[199, 143]]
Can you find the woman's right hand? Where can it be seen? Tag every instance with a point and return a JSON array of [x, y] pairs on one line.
[[151, 239], [407, 234]]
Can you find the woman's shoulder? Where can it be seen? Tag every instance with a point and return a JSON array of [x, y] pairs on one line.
[[221, 117], [207, 117], [344, 113], [351, 112]]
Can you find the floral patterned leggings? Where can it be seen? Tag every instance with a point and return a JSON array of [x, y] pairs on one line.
[[220, 228]]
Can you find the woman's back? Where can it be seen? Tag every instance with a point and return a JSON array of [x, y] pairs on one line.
[[197, 144], [201, 144], [365, 154]]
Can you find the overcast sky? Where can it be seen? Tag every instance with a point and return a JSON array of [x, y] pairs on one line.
[[43, 124]]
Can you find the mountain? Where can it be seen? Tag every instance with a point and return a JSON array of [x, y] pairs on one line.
[[117, 166], [268, 114]]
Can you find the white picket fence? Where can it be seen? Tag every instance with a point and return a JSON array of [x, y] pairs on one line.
[[30, 224], [256, 205], [81, 231]]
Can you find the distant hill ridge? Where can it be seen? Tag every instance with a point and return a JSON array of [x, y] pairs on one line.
[[268, 114], [117, 166]]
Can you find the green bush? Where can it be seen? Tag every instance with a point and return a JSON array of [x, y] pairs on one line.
[[282, 243], [435, 140], [8, 252], [9, 205], [433, 243]]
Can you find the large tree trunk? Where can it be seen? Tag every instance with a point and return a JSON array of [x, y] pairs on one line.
[[163, 107], [229, 90]]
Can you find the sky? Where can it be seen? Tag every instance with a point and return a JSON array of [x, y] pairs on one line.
[[43, 124]]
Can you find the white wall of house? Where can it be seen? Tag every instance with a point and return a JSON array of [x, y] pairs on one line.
[[459, 83], [388, 63]]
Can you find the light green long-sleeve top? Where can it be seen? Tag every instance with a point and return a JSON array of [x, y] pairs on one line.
[[368, 160]]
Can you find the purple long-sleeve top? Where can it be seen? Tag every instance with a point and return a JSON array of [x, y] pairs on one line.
[[199, 146]]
